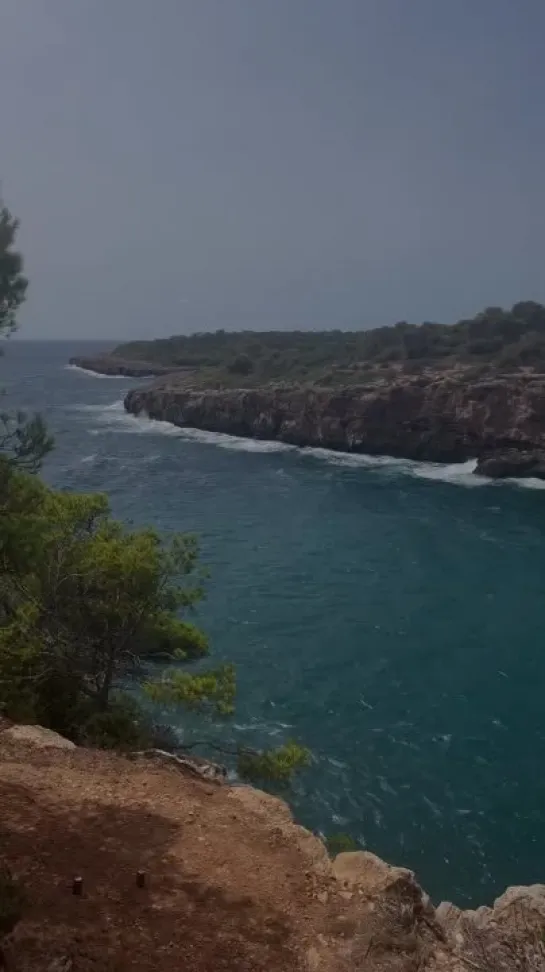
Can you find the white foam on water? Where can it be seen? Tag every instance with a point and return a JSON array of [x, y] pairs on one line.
[[456, 474], [91, 374], [459, 473], [114, 415], [235, 443], [353, 459], [529, 483], [116, 407]]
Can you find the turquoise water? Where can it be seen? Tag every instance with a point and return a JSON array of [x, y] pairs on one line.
[[390, 615]]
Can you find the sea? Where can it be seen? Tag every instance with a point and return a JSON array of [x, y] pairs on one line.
[[388, 614]]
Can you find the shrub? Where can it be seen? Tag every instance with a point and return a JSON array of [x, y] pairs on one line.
[[488, 346], [242, 365], [274, 765], [340, 843], [121, 726]]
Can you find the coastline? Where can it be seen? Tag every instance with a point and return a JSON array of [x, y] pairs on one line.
[[436, 416], [443, 421]]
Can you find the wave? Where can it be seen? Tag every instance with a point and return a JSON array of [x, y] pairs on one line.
[[116, 407], [455, 473], [114, 416], [91, 374], [529, 483], [459, 473], [235, 443]]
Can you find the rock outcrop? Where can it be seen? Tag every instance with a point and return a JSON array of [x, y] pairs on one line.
[[520, 463], [37, 736], [230, 881], [510, 935], [439, 417]]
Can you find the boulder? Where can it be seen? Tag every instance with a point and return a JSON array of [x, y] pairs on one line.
[[512, 463], [506, 937], [368, 872], [37, 736]]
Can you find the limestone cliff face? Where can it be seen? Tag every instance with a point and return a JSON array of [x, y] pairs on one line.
[[442, 418]]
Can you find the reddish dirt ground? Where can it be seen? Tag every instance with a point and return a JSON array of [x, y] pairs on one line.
[[231, 883], [223, 891]]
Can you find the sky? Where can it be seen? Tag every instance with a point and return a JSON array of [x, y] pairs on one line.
[[182, 165]]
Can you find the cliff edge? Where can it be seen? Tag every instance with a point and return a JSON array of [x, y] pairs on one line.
[[231, 882], [434, 416]]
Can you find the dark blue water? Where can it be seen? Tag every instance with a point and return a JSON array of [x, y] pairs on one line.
[[390, 615]]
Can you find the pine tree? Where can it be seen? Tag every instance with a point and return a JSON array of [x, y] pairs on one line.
[[23, 439]]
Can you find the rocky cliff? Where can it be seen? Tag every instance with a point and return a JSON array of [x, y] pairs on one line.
[[227, 880], [435, 416]]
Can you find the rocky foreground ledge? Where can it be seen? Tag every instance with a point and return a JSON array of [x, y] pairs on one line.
[[230, 881], [439, 417]]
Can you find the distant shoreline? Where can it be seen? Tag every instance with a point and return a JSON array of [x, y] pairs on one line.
[[432, 392]]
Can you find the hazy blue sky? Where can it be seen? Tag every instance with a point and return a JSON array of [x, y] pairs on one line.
[[192, 164]]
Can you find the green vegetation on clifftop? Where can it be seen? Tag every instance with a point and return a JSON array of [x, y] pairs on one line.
[[503, 338]]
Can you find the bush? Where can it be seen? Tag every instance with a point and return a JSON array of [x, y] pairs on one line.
[[242, 365], [488, 346], [530, 350], [274, 765], [340, 843], [121, 726]]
